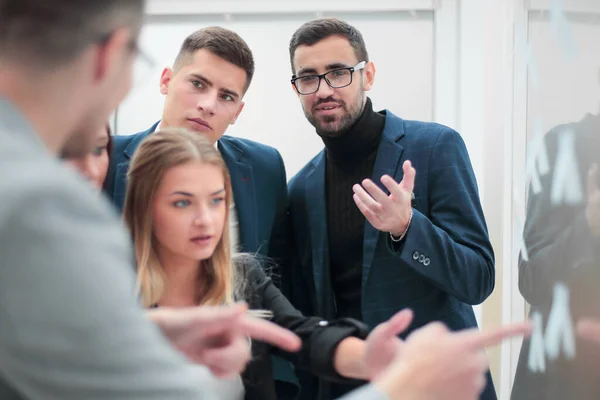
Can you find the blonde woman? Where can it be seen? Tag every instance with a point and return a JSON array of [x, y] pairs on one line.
[[177, 208]]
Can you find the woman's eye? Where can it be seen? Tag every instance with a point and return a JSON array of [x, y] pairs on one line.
[[181, 203]]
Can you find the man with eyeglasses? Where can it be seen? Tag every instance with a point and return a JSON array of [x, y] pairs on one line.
[[388, 216]]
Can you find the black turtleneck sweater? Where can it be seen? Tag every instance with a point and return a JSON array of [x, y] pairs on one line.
[[350, 159]]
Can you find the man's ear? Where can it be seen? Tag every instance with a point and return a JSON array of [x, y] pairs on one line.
[[369, 75], [294, 86], [295, 90], [237, 114], [165, 80], [111, 52]]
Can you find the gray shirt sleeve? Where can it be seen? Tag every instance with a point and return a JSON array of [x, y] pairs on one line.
[[70, 324], [366, 392]]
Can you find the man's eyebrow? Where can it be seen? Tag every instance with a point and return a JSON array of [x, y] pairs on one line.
[[329, 67], [202, 78], [304, 71], [337, 65]]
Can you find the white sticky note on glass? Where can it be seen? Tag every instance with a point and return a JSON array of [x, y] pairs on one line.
[[537, 358], [520, 240], [519, 226], [537, 158], [524, 47], [566, 183], [559, 330]]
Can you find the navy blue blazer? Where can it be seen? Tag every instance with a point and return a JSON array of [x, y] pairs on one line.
[[259, 186], [444, 265]]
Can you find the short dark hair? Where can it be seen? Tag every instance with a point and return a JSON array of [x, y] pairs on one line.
[[223, 43], [54, 32], [316, 30]]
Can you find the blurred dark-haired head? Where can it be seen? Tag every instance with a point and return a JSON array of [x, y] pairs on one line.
[[93, 165], [68, 61]]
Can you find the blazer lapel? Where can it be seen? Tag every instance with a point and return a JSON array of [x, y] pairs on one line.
[[317, 221], [135, 142], [387, 162], [244, 195], [120, 187]]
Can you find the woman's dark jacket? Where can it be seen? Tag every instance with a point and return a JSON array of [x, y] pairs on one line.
[[319, 338]]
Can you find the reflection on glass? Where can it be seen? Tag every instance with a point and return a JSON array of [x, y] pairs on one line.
[[559, 274]]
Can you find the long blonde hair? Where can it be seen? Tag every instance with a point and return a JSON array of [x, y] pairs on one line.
[[158, 153]]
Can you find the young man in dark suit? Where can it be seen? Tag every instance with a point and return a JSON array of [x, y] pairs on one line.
[[204, 92], [367, 245]]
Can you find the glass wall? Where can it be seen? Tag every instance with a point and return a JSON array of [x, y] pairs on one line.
[[557, 200]]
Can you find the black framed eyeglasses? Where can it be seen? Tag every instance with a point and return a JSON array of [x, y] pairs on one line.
[[337, 78]]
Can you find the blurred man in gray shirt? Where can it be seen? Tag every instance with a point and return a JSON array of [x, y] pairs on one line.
[[70, 325]]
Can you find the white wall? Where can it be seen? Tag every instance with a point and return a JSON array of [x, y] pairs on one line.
[[472, 84]]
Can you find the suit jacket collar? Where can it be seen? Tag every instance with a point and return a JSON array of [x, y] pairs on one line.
[[394, 127], [393, 131], [245, 194], [135, 142], [227, 144]]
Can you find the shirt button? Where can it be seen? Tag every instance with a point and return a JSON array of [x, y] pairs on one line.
[[323, 323], [416, 255]]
